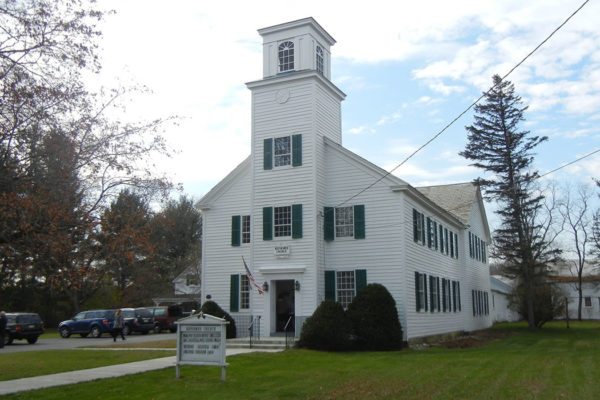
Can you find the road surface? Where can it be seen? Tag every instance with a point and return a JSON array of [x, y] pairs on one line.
[[76, 341]]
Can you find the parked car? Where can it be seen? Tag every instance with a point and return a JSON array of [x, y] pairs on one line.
[[165, 317], [137, 320], [28, 326], [92, 322]]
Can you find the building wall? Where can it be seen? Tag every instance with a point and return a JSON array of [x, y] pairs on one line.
[[425, 260], [500, 309], [590, 290], [476, 273]]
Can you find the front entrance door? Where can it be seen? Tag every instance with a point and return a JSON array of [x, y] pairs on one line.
[[284, 306]]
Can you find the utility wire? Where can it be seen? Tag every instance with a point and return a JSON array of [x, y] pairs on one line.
[[570, 163], [468, 108]]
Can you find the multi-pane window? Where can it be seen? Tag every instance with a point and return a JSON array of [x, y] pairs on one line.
[[319, 59], [283, 151], [434, 293], [345, 287], [244, 292], [480, 303], [421, 291], [477, 248], [446, 294], [456, 295], [418, 227], [588, 301], [344, 221], [286, 56], [245, 229], [282, 221]]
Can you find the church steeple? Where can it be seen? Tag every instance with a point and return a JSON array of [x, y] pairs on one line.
[[296, 46]]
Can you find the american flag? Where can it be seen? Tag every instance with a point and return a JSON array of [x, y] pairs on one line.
[[251, 278]]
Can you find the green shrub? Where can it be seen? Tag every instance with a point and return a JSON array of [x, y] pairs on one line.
[[327, 329], [548, 302], [212, 308], [374, 319]]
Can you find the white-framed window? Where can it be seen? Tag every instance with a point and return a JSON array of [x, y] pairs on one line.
[[447, 297], [418, 227], [587, 301], [245, 229], [192, 280], [421, 291], [319, 57], [345, 287], [282, 221], [344, 221], [244, 292], [286, 56], [433, 288], [282, 151]]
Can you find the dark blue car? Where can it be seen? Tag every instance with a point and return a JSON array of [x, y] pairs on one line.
[[93, 322]]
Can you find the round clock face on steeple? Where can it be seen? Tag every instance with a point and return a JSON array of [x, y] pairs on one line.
[[282, 96]]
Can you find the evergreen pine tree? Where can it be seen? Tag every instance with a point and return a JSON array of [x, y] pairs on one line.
[[498, 146]]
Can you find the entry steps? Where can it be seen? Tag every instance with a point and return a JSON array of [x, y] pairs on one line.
[[265, 343]]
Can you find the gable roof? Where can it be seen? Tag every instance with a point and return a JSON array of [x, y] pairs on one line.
[[396, 184], [458, 199], [206, 201]]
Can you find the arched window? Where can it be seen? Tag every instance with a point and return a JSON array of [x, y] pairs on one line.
[[319, 59], [286, 56]]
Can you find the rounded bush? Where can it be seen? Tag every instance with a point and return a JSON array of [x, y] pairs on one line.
[[212, 308], [374, 319], [327, 329]]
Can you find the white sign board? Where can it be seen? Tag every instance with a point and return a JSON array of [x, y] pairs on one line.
[[282, 251], [201, 341]]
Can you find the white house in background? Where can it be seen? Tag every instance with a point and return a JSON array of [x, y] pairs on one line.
[[314, 220], [590, 307], [501, 289]]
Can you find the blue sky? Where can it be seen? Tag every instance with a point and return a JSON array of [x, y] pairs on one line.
[[407, 69]]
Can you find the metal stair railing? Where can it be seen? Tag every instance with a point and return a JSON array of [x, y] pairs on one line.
[[253, 320], [285, 328]]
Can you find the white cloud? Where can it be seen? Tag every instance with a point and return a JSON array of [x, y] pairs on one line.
[[361, 130], [388, 119]]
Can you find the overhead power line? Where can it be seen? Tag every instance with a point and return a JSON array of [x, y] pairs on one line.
[[469, 108], [570, 163]]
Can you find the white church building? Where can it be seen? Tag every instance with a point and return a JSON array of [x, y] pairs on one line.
[[315, 221]]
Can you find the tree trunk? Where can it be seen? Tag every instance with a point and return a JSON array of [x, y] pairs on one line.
[[580, 292]]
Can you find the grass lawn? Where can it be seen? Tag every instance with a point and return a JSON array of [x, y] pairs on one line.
[[553, 363], [35, 363]]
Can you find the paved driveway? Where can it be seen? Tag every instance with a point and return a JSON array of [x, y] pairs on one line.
[[77, 341]]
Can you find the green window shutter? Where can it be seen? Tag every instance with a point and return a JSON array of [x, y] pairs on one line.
[[415, 227], [423, 229], [360, 279], [234, 294], [431, 299], [441, 238], [328, 228], [444, 305], [417, 290], [296, 150], [429, 242], [267, 223], [435, 236], [359, 221], [456, 245], [330, 285], [437, 282], [235, 230], [268, 154], [296, 221], [458, 294], [425, 291]]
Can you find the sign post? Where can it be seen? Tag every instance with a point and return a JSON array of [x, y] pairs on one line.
[[201, 341]]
